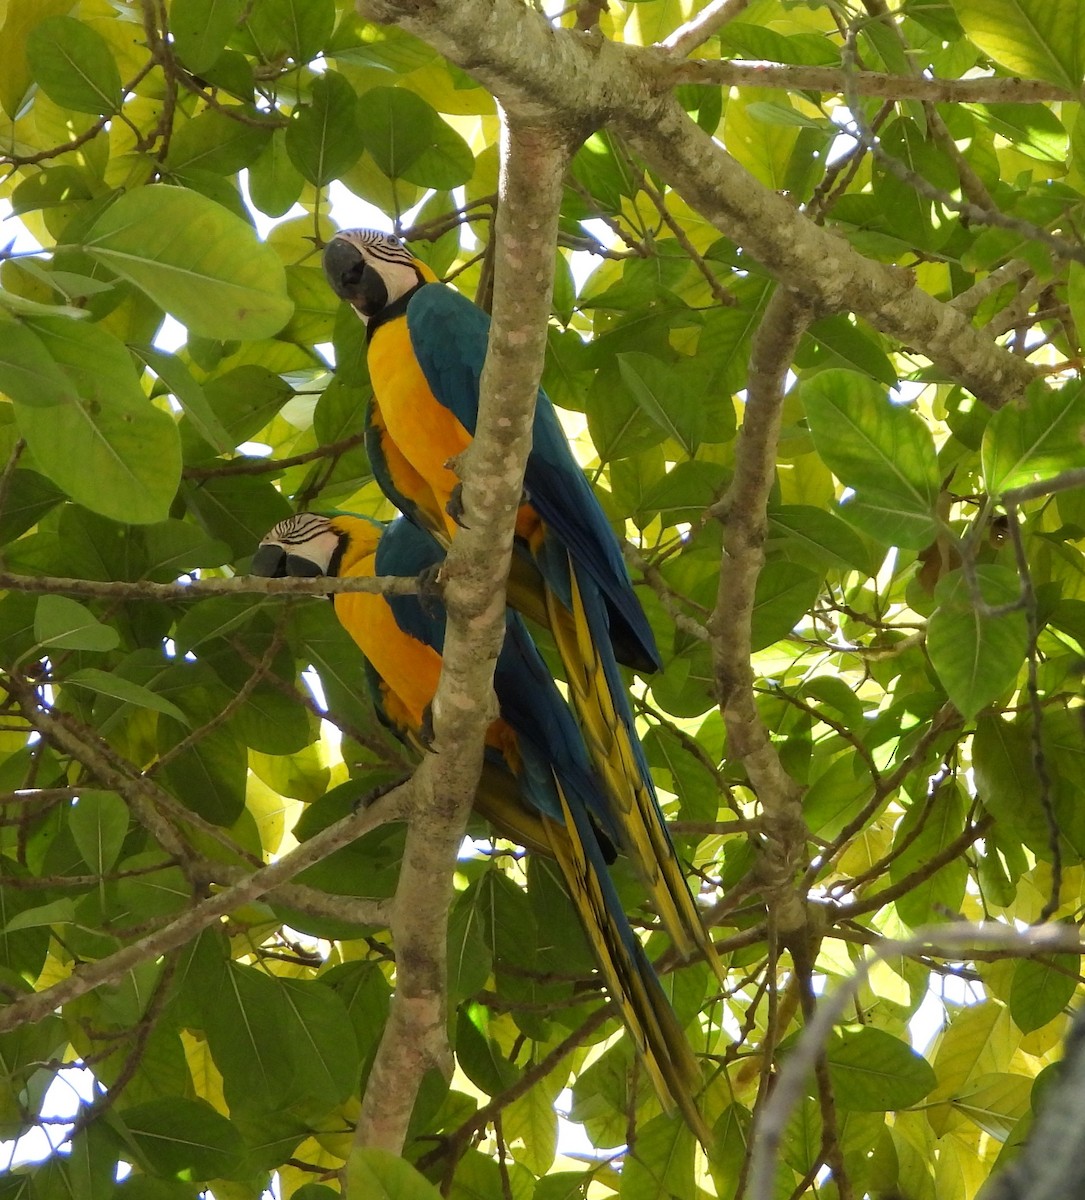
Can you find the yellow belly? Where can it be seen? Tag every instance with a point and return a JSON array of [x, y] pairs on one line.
[[426, 433]]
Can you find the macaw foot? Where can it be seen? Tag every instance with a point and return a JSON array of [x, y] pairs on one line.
[[430, 591], [425, 735], [455, 508]]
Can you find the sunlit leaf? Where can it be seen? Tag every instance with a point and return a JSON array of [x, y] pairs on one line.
[[872, 1071], [1035, 438], [1037, 39], [103, 441], [73, 65], [199, 262]]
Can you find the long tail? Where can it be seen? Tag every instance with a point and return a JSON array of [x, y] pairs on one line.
[[629, 976], [602, 707]]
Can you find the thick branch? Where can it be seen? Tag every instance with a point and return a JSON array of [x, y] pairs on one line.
[[730, 626], [816, 262], [533, 166], [577, 82], [200, 589], [995, 89]]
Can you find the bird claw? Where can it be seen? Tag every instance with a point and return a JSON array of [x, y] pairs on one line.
[[430, 591], [455, 508], [426, 735]]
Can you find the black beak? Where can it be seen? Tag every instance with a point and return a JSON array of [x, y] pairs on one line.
[[353, 279], [269, 561], [273, 562]]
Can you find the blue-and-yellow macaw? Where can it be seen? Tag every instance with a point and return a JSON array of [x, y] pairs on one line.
[[538, 786], [427, 345]]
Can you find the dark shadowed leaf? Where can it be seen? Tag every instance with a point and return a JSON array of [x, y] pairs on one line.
[[181, 1137], [324, 139]]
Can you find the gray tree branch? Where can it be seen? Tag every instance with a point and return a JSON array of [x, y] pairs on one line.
[[534, 160], [577, 82]]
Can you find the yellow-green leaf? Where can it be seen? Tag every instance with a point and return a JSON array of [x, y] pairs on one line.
[[201, 263], [1037, 39]]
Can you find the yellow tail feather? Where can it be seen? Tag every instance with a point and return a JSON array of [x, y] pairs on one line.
[[660, 1040], [644, 835]]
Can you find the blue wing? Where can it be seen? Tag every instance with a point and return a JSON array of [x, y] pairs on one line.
[[449, 336]]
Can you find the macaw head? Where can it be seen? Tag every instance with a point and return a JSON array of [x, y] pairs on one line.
[[371, 270], [311, 544]]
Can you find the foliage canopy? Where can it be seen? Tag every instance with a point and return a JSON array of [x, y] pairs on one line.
[[912, 643]]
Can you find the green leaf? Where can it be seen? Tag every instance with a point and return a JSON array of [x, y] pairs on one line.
[[244, 1012], [914, 847], [478, 1055], [835, 797], [106, 684], [209, 777], [213, 141], [23, 307], [106, 444], [976, 656], [213, 618], [872, 1071], [274, 182], [683, 399], [56, 912], [1034, 439], [835, 341], [195, 259], [30, 496], [64, 623], [29, 374], [99, 822], [773, 113], [785, 591], [182, 1137], [683, 494], [1041, 989], [1006, 784], [881, 449], [1037, 39], [200, 29], [380, 1175], [661, 1165], [469, 956], [238, 509], [878, 515], [73, 65], [819, 537], [324, 138], [299, 28], [320, 1034], [533, 1120], [408, 140]]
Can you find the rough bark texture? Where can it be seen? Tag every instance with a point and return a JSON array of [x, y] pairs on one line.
[[415, 1039]]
